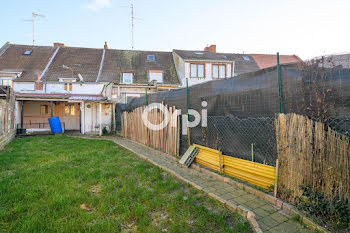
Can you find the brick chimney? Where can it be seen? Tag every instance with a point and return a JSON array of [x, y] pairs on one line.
[[106, 45], [211, 48], [57, 44], [38, 84]]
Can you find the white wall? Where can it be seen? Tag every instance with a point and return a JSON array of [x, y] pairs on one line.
[[92, 117], [58, 88], [23, 87], [208, 73]]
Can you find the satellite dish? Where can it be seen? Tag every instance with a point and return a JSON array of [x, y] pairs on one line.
[[80, 78]]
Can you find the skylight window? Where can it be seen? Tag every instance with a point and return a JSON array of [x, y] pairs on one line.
[[246, 58], [199, 53], [27, 52], [151, 58]]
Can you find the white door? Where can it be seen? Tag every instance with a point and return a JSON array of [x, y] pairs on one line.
[[71, 116]]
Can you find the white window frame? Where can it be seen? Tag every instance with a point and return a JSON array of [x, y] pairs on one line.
[[155, 72], [196, 73], [216, 75], [9, 81], [132, 77]]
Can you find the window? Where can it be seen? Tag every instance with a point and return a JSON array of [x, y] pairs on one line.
[[127, 78], [68, 87], [197, 71], [69, 110], [44, 110], [246, 58], [151, 58], [156, 75], [6, 82], [219, 71], [27, 52]]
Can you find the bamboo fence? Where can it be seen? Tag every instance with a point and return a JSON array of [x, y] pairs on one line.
[[312, 155], [166, 139]]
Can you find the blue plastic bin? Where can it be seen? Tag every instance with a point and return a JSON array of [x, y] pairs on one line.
[[55, 125]]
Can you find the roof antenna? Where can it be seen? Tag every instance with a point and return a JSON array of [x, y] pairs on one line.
[[133, 18], [34, 15]]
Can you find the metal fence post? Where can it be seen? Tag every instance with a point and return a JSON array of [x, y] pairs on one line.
[[188, 116], [279, 82], [146, 98]]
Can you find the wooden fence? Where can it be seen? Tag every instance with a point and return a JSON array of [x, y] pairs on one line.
[[311, 155], [166, 139]]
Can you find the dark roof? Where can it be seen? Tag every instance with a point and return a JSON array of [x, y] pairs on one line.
[[241, 65], [84, 61], [244, 63], [201, 55], [12, 59], [118, 61]]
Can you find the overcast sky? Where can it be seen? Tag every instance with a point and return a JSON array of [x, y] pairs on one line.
[[306, 28]]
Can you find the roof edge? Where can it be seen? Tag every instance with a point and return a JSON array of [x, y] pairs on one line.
[[4, 48]]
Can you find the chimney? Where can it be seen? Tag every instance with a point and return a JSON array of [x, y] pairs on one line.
[[38, 84], [211, 48], [57, 44], [106, 45]]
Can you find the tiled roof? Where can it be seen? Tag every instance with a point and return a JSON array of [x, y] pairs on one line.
[[201, 55], [13, 60], [270, 60], [84, 61], [87, 62], [244, 63], [118, 61]]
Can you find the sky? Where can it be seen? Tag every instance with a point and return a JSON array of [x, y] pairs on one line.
[[307, 28]]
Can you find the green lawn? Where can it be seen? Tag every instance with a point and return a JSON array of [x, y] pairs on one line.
[[44, 180]]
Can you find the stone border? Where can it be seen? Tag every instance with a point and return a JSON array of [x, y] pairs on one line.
[[280, 204]]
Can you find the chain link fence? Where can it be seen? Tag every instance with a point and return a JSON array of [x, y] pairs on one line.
[[241, 110]]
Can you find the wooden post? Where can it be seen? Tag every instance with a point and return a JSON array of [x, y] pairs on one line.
[[276, 179], [114, 127], [51, 103]]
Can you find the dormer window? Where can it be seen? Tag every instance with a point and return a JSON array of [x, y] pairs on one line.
[[151, 58], [127, 77], [68, 86], [27, 52], [155, 75]]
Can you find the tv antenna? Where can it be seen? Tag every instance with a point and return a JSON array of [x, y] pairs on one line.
[[133, 18], [34, 15]]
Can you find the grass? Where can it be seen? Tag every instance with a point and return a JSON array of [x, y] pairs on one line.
[[44, 180]]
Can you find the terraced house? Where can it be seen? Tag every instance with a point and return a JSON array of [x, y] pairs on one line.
[[202, 66], [80, 85]]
